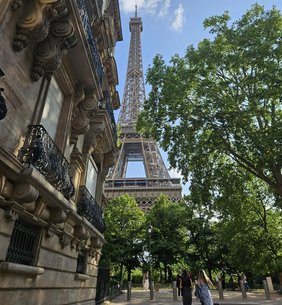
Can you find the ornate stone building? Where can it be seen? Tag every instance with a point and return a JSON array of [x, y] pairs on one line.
[[57, 142]]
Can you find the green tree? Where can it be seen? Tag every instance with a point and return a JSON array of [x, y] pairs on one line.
[[222, 99], [249, 226], [233, 222], [169, 234], [124, 235], [203, 249]]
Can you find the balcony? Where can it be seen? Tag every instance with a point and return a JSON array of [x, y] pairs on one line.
[[92, 46], [89, 208], [40, 151]]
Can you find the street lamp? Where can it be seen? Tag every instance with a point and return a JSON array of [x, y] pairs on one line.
[[151, 282]]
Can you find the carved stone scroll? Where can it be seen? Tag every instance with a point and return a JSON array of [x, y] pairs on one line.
[[65, 239], [48, 55], [45, 22], [94, 138], [35, 20], [85, 105]]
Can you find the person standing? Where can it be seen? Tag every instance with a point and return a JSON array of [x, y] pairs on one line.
[[178, 283], [186, 284], [198, 292], [145, 281], [245, 282], [204, 284]]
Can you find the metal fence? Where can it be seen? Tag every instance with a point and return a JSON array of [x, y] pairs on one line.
[[105, 290]]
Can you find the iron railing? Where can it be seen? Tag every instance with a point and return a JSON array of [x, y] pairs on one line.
[[3, 107], [104, 289], [22, 246], [106, 104], [89, 208], [41, 151], [146, 183], [93, 50], [103, 285]]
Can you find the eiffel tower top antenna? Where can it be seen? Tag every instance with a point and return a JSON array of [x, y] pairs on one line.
[[134, 89]]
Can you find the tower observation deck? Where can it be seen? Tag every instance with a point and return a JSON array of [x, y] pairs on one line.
[[134, 147]]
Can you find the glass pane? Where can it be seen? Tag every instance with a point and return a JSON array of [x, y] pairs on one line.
[[52, 109], [91, 179]]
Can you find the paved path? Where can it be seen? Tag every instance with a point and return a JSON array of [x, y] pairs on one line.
[[165, 297]]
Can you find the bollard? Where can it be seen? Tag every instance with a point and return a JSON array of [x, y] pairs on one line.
[[220, 290], [152, 290], [129, 286], [174, 289], [243, 290], [266, 289]]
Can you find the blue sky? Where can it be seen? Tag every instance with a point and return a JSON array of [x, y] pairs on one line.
[[169, 26]]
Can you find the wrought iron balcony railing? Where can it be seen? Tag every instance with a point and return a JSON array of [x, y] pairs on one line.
[[89, 208], [107, 105], [41, 151], [93, 50]]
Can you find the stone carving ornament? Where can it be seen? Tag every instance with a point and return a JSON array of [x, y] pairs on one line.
[[35, 20], [94, 138], [45, 22], [85, 105], [49, 52]]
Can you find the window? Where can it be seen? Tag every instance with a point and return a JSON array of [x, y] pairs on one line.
[[52, 109], [81, 263], [91, 178], [23, 243]]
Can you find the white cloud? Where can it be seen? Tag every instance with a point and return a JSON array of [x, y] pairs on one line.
[[179, 19], [174, 173], [164, 8], [150, 6]]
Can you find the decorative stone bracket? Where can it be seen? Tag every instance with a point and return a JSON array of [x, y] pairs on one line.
[[85, 105], [94, 138], [108, 161], [46, 23]]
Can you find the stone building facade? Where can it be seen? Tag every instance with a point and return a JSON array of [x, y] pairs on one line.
[[57, 142]]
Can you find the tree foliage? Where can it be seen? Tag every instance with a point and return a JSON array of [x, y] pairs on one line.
[[222, 100], [125, 234], [169, 234]]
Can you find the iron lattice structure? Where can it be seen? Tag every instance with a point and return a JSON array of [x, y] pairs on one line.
[[134, 147]]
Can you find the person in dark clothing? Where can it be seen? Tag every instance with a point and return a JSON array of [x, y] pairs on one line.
[[186, 285], [178, 282]]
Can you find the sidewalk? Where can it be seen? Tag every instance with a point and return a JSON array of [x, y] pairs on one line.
[[165, 297]]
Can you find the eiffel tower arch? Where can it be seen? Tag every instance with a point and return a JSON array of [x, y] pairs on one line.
[[134, 147]]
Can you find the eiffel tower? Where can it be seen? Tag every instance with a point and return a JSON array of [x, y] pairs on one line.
[[134, 147]]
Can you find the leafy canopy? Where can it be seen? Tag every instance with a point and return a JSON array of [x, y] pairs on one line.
[[222, 100], [124, 234]]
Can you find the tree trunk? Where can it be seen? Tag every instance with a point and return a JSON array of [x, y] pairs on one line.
[[121, 275], [128, 275], [169, 274], [280, 280]]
